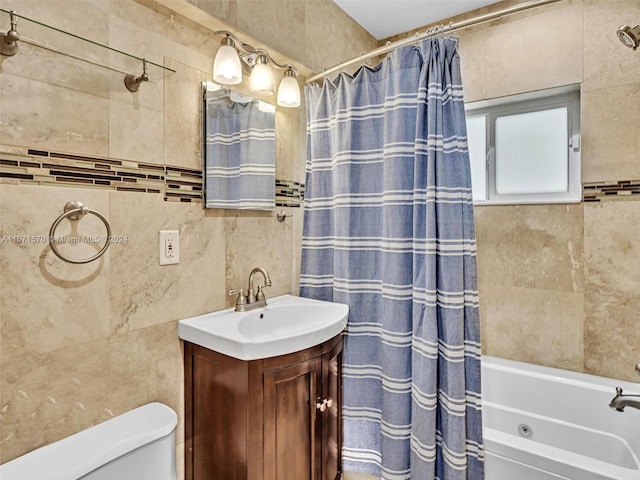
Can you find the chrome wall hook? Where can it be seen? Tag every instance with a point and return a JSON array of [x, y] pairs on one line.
[[132, 82], [9, 41], [282, 215]]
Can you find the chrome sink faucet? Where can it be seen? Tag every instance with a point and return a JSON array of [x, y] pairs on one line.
[[621, 401], [253, 299]]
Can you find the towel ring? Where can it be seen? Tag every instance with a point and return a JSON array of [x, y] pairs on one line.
[[75, 210]]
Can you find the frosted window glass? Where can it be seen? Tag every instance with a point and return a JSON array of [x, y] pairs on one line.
[[532, 152], [477, 141]]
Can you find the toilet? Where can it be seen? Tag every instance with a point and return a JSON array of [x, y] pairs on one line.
[[137, 445]]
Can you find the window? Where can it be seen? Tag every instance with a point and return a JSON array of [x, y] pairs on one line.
[[526, 148]]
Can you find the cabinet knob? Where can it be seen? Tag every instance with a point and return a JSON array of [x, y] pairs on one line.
[[324, 405]]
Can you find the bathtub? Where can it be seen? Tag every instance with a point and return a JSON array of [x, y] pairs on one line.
[[543, 423]]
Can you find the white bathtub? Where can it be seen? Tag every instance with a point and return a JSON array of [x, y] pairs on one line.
[[543, 423]]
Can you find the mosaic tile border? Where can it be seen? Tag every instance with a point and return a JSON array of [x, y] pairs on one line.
[[616, 190], [176, 184]]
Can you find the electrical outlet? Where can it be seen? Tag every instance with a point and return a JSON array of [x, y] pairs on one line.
[[169, 247]]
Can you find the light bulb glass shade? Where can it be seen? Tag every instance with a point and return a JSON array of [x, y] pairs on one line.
[[226, 66], [289, 92], [262, 79]]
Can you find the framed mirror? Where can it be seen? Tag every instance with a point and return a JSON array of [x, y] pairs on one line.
[[239, 150]]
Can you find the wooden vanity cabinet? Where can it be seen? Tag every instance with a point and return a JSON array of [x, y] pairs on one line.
[[271, 419]]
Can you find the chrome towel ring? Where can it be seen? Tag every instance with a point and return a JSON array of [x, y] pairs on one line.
[[75, 210]]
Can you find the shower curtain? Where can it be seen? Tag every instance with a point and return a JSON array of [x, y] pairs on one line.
[[388, 230]]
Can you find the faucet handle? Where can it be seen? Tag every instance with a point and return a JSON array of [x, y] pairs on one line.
[[638, 368], [242, 300], [260, 294], [618, 391]]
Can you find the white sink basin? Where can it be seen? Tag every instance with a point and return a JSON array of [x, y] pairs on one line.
[[287, 324]]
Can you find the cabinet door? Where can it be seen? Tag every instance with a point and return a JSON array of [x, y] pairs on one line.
[[291, 425], [332, 416]]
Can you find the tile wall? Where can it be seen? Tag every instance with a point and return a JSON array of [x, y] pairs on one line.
[[560, 284]]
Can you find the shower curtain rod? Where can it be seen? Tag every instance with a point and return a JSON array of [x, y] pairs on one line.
[[432, 32]]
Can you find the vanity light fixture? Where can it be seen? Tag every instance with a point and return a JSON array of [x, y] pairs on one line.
[[227, 70], [289, 91], [262, 76]]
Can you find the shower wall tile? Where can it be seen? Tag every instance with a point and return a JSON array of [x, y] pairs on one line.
[[48, 304], [544, 327], [607, 62], [534, 246], [610, 133], [183, 100], [480, 216], [612, 267], [158, 294], [535, 52], [50, 118]]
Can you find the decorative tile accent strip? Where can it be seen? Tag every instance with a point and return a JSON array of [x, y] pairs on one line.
[[615, 190], [20, 165], [289, 193]]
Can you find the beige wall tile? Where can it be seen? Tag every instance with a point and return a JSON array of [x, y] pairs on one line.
[[48, 397], [94, 381], [612, 268], [254, 17], [225, 10], [144, 293], [40, 115], [544, 327], [611, 134], [334, 39], [183, 107], [535, 52], [61, 70], [257, 239], [359, 476], [612, 335], [290, 143], [147, 366], [534, 246], [48, 304], [473, 64], [607, 62], [135, 133]]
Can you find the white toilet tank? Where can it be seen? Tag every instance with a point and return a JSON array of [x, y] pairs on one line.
[[137, 445]]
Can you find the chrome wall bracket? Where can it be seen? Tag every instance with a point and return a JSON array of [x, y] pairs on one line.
[[132, 82]]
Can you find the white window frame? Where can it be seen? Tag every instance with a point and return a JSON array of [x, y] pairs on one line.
[[568, 97]]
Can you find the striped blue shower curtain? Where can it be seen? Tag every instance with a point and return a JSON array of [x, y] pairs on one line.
[[388, 230]]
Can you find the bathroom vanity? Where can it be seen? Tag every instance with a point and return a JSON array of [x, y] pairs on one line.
[[263, 391], [274, 418]]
